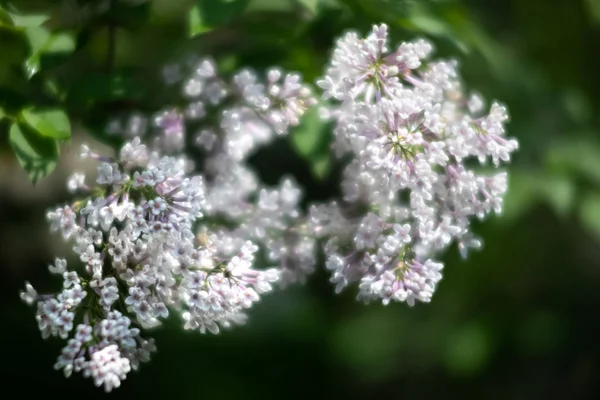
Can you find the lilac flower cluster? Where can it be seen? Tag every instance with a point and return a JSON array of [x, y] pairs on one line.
[[138, 257], [408, 191], [246, 114], [160, 232]]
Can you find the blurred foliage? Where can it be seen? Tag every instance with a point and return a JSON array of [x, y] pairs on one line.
[[517, 320]]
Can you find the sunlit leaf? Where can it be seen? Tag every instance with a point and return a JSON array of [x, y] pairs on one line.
[[36, 154], [321, 166], [52, 123], [310, 140], [311, 5], [307, 136], [60, 42], [37, 38], [29, 20], [195, 23], [429, 24], [41, 40]]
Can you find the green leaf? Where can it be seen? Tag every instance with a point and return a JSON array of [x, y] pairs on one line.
[[36, 154], [37, 38], [49, 123], [195, 23], [311, 141], [307, 136], [29, 20], [41, 39], [56, 46], [60, 43], [429, 24], [311, 5], [321, 166], [2, 114], [41, 42]]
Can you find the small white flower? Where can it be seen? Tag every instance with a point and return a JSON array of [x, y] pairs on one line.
[[59, 267], [76, 182], [30, 295]]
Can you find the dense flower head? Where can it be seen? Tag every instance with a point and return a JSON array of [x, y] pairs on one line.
[[250, 113], [138, 257], [160, 230], [411, 132]]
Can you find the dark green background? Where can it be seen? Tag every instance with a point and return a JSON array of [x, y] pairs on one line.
[[518, 320]]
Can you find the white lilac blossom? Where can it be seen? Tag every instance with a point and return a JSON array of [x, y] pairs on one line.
[[159, 232], [256, 113], [409, 190], [138, 258]]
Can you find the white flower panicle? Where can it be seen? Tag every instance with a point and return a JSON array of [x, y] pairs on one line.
[[154, 235], [232, 119], [409, 191], [138, 258], [258, 114]]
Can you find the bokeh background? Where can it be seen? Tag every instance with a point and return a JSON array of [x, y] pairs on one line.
[[518, 320]]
